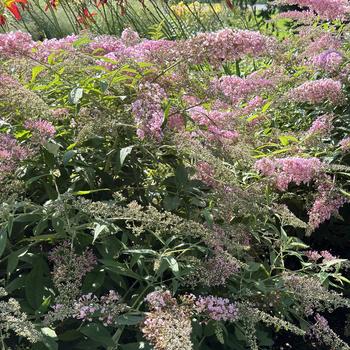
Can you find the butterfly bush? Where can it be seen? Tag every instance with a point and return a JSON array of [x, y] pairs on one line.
[[326, 9], [148, 112], [11, 154], [329, 60], [290, 170], [219, 309], [16, 44], [160, 193], [42, 129], [321, 126], [318, 91]]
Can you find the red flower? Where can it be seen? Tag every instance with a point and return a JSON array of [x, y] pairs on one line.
[[11, 5], [87, 17], [229, 4], [52, 3], [2, 20], [101, 3]]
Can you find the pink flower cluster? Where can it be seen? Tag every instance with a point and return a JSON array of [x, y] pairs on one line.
[[11, 153], [290, 170], [148, 112], [216, 48], [105, 44], [48, 46], [318, 91], [225, 45], [345, 144], [319, 43], [326, 205], [217, 124], [205, 173], [301, 16], [326, 9], [15, 44], [41, 129], [159, 300], [321, 126], [130, 37], [314, 256], [236, 89], [218, 309]]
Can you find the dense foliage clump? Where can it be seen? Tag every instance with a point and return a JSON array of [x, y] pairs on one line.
[[177, 194]]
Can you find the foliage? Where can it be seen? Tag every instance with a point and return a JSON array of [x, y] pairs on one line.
[[162, 194], [56, 19]]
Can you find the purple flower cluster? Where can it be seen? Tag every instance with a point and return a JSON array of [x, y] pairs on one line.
[[70, 267], [225, 45], [215, 48], [217, 125], [106, 309], [290, 170], [218, 309], [48, 46], [301, 16], [219, 268], [329, 61], [205, 173]]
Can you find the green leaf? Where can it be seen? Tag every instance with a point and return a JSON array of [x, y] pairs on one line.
[[76, 95], [169, 262], [141, 251], [82, 193], [49, 332], [97, 333], [119, 268], [81, 42], [13, 258], [98, 230], [3, 240], [68, 156], [93, 280], [171, 203], [286, 139], [28, 218], [130, 319], [36, 71], [49, 338], [181, 175], [52, 147], [34, 289], [124, 152]]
